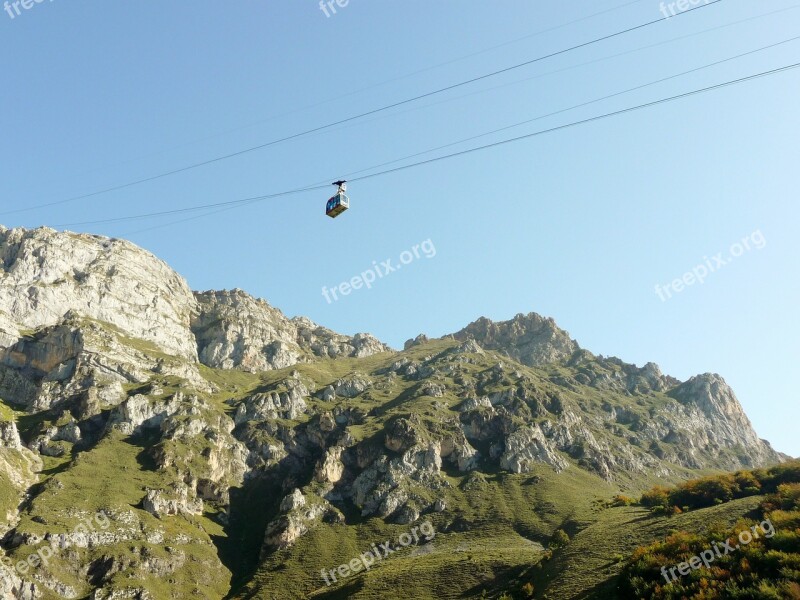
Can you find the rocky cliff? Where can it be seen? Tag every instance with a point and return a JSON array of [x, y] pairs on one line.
[[236, 331], [530, 339], [213, 434], [46, 274]]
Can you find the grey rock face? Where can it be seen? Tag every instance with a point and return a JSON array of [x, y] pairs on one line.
[[179, 500], [530, 339], [9, 436], [458, 451], [9, 331], [123, 594], [723, 418], [615, 375], [44, 274], [293, 501], [330, 468], [528, 446], [287, 529], [420, 339], [196, 424], [140, 412], [84, 364], [14, 588], [236, 331], [272, 405], [350, 387]]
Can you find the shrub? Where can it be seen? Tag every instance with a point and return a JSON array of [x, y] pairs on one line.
[[559, 539], [789, 496], [658, 496], [747, 483], [707, 491], [622, 500], [768, 568]]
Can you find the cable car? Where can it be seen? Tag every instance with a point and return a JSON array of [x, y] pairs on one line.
[[339, 203]]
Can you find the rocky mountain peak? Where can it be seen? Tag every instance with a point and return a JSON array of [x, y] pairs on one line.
[[530, 339], [48, 276], [45, 273], [712, 395], [237, 331]]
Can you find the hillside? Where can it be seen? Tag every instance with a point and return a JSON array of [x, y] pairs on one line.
[[161, 443]]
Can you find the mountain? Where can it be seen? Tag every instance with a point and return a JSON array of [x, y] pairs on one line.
[[529, 339], [236, 331], [161, 443]]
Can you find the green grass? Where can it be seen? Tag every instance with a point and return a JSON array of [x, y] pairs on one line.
[[112, 477], [7, 413], [10, 494], [487, 536], [586, 567], [230, 383]]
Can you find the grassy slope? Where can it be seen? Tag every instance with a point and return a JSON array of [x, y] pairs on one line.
[[508, 519], [587, 566], [112, 477]]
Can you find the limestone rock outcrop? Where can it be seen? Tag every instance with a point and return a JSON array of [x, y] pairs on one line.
[[530, 339], [44, 274], [236, 331]]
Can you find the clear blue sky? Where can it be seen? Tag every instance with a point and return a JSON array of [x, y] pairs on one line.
[[579, 225]]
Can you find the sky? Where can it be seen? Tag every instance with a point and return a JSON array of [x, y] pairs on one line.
[[697, 196]]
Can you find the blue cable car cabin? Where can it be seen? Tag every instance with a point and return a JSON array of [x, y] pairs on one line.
[[339, 203]]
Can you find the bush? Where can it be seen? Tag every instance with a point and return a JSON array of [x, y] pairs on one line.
[[622, 500], [765, 569], [658, 496], [775, 476], [707, 491], [748, 484], [789, 496], [559, 539]]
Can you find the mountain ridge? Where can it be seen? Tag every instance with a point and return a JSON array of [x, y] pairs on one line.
[[243, 435]]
